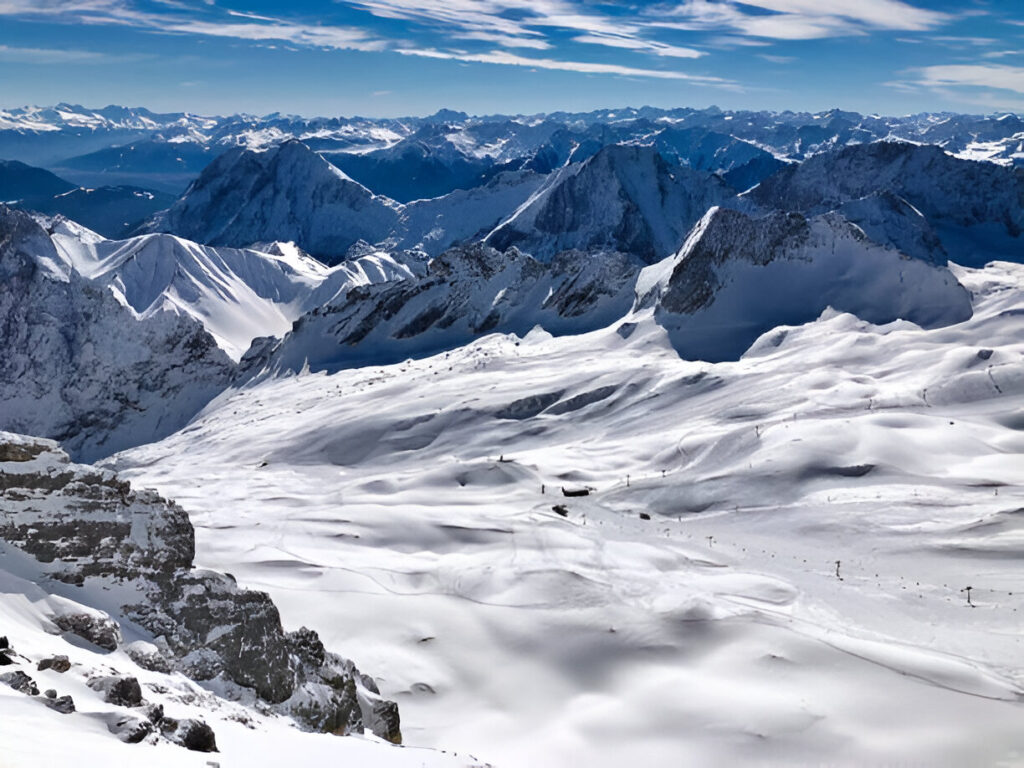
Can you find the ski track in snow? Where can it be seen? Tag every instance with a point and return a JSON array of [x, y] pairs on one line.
[[399, 512]]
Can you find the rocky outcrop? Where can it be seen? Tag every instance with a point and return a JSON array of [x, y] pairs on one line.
[[87, 527], [466, 292]]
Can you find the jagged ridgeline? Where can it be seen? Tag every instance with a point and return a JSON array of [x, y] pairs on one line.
[[117, 565], [274, 260]]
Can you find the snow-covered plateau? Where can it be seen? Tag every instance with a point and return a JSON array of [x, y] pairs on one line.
[[651, 441], [770, 566]]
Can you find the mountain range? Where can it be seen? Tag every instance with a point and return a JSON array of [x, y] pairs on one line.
[[246, 286]]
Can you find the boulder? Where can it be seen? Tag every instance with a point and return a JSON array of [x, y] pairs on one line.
[[63, 704], [190, 734], [130, 729], [20, 682], [56, 663], [120, 691]]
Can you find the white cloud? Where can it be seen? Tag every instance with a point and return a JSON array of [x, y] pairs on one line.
[[243, 26], [339, 38], [800, 19], [50, 55], [525, 23], [881, 14], [997, 76], [511, 59], [635, 44], [960, 40], [506, 41]]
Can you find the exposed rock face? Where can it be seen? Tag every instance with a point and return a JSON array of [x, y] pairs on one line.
[[20, 682], [100, 630], [130, 729], [191, 734], [121, 691], [87, 527], [63, 704], [467, 291], [56, 663], [81, 368], [624, 198], [737, 277]]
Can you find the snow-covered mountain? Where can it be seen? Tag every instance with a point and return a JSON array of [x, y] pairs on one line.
[[624, 198], [235, 294], [741, 163], [738, 277], [417, 157], [466, 292], [663, 436], [977, 209], [289, 193], [81, 367], [431, 226]]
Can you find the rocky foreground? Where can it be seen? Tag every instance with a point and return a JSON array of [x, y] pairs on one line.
[[117, 567]]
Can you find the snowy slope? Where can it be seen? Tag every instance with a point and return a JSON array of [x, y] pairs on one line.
[[113, 641], [434, 225], [736, 278], [236, 294], [722, 630]]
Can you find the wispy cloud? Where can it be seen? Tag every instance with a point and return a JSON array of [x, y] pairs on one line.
[[511, 59], [987, 76], [313, 36], [994, 86], [1001, 54], [505, 24], [185, 18], [651, 38], [52, 56], [635, 44], [800, 19]]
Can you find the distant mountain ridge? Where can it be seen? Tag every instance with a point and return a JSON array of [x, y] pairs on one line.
[[418, 157]]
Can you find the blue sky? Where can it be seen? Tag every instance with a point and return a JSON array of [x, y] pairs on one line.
[[409, 57]]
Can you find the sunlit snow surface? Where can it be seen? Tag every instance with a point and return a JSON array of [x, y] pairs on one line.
[[399, 512]]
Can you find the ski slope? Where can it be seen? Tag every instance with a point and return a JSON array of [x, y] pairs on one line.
[[769, 568]]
